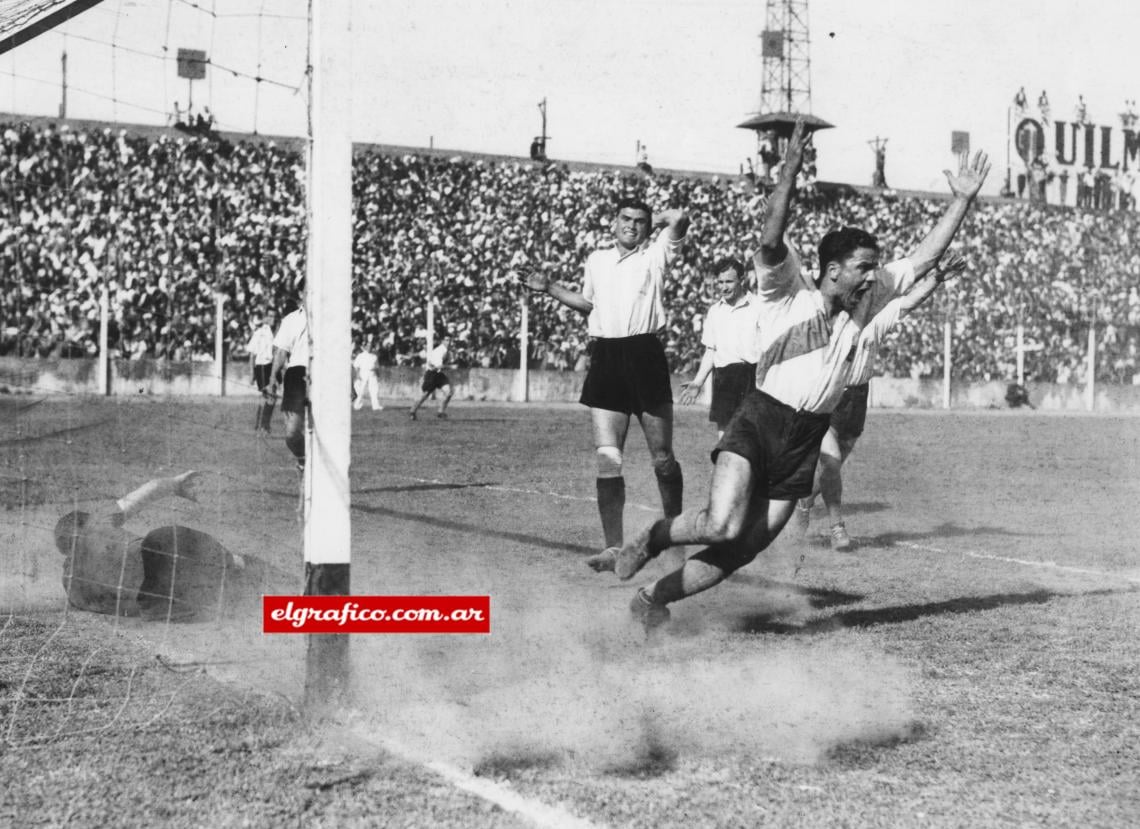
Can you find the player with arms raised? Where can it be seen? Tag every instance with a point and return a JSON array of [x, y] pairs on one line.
[[809, 331]]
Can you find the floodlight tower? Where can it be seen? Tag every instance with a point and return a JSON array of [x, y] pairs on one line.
[[785, 83]]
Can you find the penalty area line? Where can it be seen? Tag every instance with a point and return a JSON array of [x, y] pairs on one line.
[[535, 811], [1051, 565]]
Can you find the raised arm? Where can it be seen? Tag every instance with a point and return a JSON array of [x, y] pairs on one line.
[[924, 288], [965, 186], [180, 485], [772, 248], [675, 221], [540, 282]]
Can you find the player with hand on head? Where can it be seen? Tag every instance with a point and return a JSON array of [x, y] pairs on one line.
[[808, 334], [622, 299], [434, 378], [729, 338], [172, 573], [850, 414]]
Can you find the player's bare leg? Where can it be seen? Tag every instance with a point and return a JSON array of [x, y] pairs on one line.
[[723, 517], [295, 441], [610, 430], [657, 425], [714, 564], [447, 392], [418, 403], [832, 456]]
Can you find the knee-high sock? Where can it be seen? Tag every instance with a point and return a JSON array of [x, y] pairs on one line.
[[611, 506], [266, 411], [671, 485]]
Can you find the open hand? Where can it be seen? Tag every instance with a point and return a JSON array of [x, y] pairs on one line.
[[970, 176], [689, 392], [184, 485], [535, 281]]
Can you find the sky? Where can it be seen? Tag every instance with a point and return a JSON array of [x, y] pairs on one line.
[[676, 75]]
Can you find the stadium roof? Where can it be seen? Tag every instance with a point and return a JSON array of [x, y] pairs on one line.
[[782, 122], [23, 20]]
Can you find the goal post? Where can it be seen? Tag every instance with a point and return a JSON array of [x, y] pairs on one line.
[[328, 291]]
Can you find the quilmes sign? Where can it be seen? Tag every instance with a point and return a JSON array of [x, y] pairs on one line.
[[1077, 144]]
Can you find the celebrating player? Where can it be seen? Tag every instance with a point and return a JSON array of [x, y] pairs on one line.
[[621, 297], [850, 415], [729, 338], [809, 331]]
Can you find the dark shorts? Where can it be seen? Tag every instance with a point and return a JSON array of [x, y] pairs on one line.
[[627, 374], [294, 396], [781, 444], [434, 379], [730, 384], [850, 416], [188, 575], [261, 374]]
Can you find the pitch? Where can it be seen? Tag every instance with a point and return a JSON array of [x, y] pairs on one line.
[[972, 661]]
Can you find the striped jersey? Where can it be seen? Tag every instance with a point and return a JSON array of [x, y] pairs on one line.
[[870, 340], [806, 358]]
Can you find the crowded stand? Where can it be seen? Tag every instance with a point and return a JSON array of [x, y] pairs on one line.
[[168, 221]]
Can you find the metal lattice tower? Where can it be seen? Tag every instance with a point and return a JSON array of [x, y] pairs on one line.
[[786, 82]]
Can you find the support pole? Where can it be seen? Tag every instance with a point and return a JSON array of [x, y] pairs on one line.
[[328, 289], [104, 373], [947, 341], [1090, 381], [521, 391], [1020, 354], [220, 341]]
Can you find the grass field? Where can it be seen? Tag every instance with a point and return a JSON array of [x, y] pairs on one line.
[[971, 663]]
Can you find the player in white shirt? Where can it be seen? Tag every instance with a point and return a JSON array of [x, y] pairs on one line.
[[435, 380], [808, 333], [850, 414], [260, 349], [729, 338], [291, 353], [367, 381], [622, 298]]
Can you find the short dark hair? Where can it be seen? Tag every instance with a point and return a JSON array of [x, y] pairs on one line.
[[68, 528], [728, 263], [837, 245], [631, 201]]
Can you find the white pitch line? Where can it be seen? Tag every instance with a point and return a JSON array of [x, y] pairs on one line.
[[539, 813], [1052, 565], [925, 547]]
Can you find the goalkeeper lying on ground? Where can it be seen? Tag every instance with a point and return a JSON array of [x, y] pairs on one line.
[[173, 572]]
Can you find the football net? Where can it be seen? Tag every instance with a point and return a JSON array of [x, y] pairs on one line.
[[151, 217]]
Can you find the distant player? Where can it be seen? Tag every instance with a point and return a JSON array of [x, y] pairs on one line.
[[435, 380], [291, 355], [809, 331], [850, 415], [365, 366], [622, 298], [729, 338], [260, 348], [173, 572]]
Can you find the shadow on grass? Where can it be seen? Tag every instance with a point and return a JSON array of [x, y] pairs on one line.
[[942, 531], [816, 596], [864, 752], [422, 487], [908, 613]]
